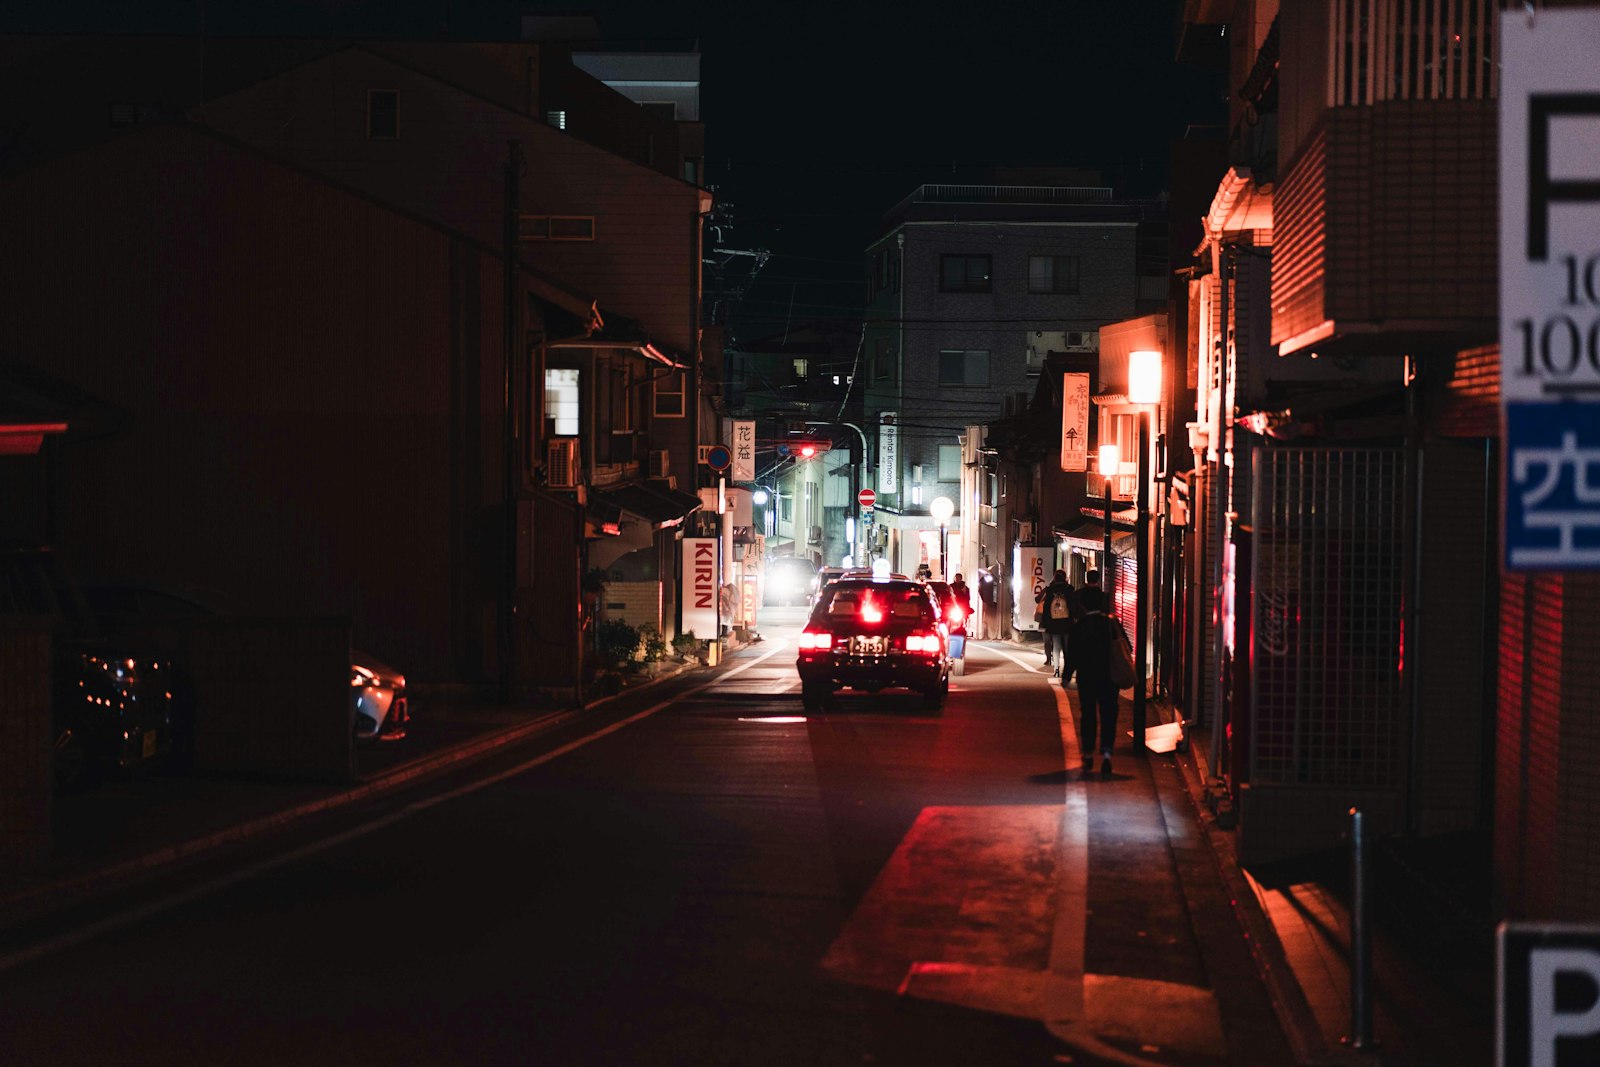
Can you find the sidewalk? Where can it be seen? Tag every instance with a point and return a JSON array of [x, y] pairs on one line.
[[1432, 987]]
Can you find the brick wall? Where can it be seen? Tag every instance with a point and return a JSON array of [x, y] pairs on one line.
[[635, 603], [25, 747]]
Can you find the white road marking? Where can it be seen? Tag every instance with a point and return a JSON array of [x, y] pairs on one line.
[[132, 915]]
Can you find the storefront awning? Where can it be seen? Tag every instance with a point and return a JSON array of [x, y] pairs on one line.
[[655, 502], [1091, 536]]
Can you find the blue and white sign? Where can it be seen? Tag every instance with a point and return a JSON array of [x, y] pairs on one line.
[[1550, 287], [1547, 1013], [1552, 486]]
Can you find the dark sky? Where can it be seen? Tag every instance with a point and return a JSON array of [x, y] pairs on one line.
[[822, 114]]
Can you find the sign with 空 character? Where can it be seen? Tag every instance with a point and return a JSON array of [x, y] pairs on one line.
[[1550, 287]]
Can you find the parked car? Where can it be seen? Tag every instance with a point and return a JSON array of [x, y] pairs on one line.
[[872, 634], [790, 580], [378, 700], [112, 705]]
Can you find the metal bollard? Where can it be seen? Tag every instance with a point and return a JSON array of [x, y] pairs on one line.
[[1360, 940]]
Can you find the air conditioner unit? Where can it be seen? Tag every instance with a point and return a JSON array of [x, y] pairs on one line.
[[1082, 340], [1025, 531], [814, 536], [660, 466], [561, 463]]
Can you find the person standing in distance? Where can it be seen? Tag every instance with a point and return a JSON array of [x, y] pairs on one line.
[[1090, 659], [1055, 602], [963, 596]]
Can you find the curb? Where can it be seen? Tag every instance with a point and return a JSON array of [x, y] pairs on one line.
[[1289, 1002]]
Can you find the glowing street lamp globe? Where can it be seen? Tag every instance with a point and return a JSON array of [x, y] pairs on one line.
[[941, 508]]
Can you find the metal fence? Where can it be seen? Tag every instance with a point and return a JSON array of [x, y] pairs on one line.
[[1327, 702]]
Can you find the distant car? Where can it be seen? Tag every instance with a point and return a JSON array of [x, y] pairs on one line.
[[112, 704], [790, 580], [378, 700], [872, 634], [824, 576]]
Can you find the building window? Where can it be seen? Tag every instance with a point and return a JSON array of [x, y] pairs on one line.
[[786, 508], [555, 227], [800, 368], [883, 360], [669, 395], [561, 404], [958, 367], [963, 274], [558, 119], [383, 114], [949, 463], [691, 171], [1052, 274], [916, 496]]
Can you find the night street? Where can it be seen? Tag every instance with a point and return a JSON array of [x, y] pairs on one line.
[[716, 880]]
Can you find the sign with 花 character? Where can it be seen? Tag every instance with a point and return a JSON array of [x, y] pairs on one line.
[[744, 450], [1550, 287], [1075, 422]]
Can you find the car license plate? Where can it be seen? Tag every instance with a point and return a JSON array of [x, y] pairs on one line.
[[149, 743], [867, 646]]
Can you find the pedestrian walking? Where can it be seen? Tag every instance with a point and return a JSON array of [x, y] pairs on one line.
[[1090, 659], [1055, 604]]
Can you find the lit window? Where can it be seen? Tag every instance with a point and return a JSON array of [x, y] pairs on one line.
[[916, 495], [949, 463], [561, 403], [669, 390], [800, 367]]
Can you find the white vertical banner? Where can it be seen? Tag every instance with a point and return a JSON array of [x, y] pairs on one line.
[[888, 452], [1075, 422], [1030, 573], [744, 450], [700, 586]]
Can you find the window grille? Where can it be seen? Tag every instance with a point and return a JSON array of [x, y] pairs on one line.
[[1413, 50]]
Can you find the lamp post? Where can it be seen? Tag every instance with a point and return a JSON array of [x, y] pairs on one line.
[[1144, 389], [941, 508], [1109, 460]]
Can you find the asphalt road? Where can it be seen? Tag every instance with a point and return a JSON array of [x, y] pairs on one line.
[[700, 877]]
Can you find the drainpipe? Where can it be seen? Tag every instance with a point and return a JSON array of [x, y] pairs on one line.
[[508, 582], [1220, 486]]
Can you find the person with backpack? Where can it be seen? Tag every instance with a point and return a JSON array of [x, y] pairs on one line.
[[1055, 606], [1090, 659]]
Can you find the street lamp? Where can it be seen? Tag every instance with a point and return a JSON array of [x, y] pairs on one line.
[[941, 508], [1109, 461], [1144, 389]]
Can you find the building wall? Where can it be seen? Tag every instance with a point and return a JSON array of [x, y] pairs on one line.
[[447, 166], [997, 322], [307, 377]]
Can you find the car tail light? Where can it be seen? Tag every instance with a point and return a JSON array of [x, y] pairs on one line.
[[870, 611], [956, 615], [922, 642], [811, 640]]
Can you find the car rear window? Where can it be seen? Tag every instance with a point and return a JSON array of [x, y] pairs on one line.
[[902, 600]]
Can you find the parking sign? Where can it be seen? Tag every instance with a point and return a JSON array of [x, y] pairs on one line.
[[1547, 1010], [1550, 287]]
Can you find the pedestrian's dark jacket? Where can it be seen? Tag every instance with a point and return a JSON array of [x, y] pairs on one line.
[[1089, 653], [1056, 626], [963, 594]]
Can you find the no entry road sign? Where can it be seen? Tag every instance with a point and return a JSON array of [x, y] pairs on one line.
[[866, 498]]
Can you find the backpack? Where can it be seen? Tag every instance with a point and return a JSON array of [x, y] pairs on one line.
[[1122, 669], [1059, 608]]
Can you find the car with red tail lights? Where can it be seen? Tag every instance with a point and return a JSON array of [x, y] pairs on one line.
[[871, 634]]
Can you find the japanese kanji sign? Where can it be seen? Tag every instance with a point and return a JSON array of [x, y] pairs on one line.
[[744, 450], [1550, 287], [1075, 422]]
